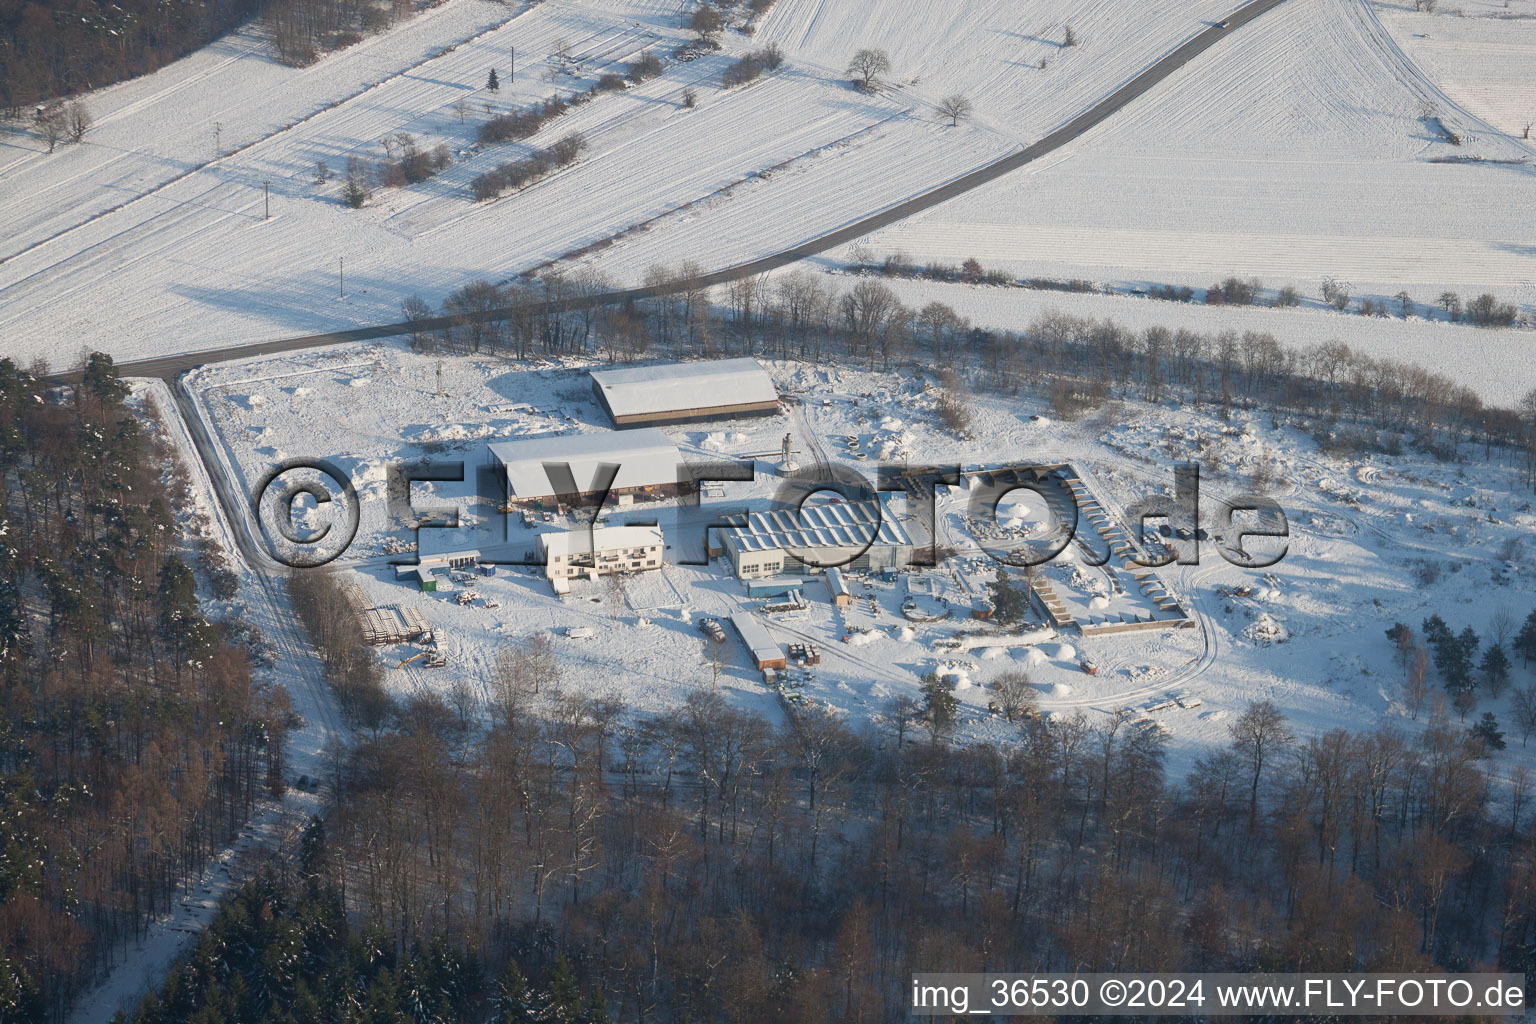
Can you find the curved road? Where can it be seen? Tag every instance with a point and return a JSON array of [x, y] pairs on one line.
[[170, 367]]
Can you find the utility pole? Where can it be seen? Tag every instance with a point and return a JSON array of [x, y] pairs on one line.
[[342, 269], [512, 76], [266, 200], [218, 131]]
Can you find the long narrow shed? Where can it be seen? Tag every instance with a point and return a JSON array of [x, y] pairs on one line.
[[765, 650]]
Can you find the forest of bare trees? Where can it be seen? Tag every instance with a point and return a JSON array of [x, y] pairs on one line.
[[703, 864], [50, 51], [133, 741], [549, 854]]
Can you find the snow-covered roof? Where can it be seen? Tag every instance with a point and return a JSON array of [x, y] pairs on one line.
[[756, 636], [676, 388], [849, 524], [604, 538], [646, 458]]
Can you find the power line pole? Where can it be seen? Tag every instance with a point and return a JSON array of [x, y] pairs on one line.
[[343, 272], [512, 77], [266, 200], [218, 131]]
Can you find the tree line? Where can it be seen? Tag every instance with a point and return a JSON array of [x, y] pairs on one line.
[[1072, 364], [133, 740], [48, 51], [52, 51]]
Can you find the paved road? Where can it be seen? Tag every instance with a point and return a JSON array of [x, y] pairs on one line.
[[170, 367]]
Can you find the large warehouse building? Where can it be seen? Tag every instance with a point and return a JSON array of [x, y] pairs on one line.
[[682, 392], [648, 467], [855, 534]]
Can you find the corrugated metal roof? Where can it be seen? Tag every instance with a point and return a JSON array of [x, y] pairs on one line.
[[646, 458], [848, 524], [679, 387]]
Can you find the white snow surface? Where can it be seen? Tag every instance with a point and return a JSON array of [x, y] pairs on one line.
[[1294, 150], [1297, 150], [1361, 535]]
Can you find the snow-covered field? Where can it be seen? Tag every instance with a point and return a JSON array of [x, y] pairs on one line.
[[991, 50], [1298, 150], [1479, 52], [196, 265], [1308, 635], [1293, 150], [154, 130]]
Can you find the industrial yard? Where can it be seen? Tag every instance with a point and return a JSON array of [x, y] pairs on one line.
[[1104, 630]]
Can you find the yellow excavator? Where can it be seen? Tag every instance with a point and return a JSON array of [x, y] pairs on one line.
[[433, 660]]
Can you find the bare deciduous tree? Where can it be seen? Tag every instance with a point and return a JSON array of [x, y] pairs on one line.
[[1501, 626], [867, 64], [1524, 706], [955, 107], [1258, 734], [705, 21], [77, 119], [1416, 679], [51, 123], [1016, 694]]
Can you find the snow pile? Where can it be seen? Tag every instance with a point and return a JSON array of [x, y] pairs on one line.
[[860, 639], [1066, 652], [1035, 658], [1061, 690], [993, 653], [1099, 603], [359, 382], [453, 432], [1266, 630]]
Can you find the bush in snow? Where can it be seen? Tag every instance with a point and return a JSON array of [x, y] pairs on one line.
[[1488, 311], [515, 174], [647, 65], [750, 67]]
